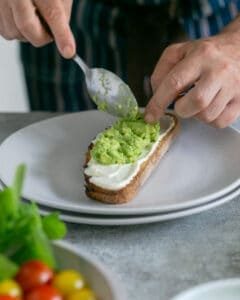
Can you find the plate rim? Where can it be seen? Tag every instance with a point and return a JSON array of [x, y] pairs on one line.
[[75, 213], [220, 283], [136, 220]]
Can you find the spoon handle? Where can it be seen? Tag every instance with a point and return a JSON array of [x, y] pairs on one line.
[[81, 64]]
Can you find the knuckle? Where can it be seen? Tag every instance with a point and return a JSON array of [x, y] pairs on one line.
[[37, 44], [158, 107], [207, 48], [170, 53], [14, 34], [53, 13], [214, 124], [40, 43], [200, 100], [219, 124], [171, 48], [230, 117], [175, 83], [24, 25], [7, 36], [226, 120], [225, 68], [207, 117]]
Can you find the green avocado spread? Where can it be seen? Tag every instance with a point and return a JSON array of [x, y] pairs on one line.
[[125, 141]]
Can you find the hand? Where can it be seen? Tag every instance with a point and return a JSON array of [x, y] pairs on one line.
[[212, 67], [29, 20]]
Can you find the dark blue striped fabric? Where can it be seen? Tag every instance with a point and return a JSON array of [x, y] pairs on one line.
[[210, 17]]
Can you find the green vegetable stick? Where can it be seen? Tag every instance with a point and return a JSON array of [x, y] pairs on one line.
[[19, 179]]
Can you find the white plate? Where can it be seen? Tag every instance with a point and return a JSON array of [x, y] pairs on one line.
[[134, 220], [101, 280], [228, 289], [203, 164]]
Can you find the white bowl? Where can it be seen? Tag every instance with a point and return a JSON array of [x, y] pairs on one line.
[[101, 280], [228, 289]]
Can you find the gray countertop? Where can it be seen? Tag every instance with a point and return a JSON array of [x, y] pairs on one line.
[[157, 261]]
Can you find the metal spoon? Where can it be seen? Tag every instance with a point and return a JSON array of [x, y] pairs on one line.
[[108, 91]]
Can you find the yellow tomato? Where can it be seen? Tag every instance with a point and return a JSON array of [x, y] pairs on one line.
[[83, 294], [68, 281], [10, 288]]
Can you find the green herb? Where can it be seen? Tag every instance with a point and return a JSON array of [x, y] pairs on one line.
[[8, 269], [24, 234], [54, 228]]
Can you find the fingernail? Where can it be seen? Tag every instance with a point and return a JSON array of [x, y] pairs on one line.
[[68, 51], [149, 118]]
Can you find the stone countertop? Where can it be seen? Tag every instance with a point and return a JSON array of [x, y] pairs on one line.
[[157, 261]]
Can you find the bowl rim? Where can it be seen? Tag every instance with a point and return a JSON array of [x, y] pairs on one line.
[[221, 283], [115, 286]]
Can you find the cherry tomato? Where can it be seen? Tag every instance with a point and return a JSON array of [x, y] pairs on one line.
[[83, 294], [68, 281], [33, 274], [43, 292], [6, 297], [10, 288]]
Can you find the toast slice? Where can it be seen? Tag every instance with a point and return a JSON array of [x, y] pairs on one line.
[[169, 127]]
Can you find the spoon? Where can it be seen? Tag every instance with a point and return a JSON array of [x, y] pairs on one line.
[[108, 91]]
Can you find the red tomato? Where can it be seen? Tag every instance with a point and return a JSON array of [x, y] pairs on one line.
[[43, 292], [33, 274], [3, 297]]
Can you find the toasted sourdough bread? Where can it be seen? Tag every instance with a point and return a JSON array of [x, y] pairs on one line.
[[128, 192]]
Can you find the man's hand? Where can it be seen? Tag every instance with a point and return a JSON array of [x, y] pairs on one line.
[[211, 68], [38, 22]]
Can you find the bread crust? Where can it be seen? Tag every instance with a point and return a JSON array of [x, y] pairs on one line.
[[128, 192]]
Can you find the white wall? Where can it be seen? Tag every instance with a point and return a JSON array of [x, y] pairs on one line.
[[12, 88]]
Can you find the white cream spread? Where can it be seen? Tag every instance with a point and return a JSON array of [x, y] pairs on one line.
[[117, 176]]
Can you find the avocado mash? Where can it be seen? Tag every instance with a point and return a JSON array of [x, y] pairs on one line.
[[125, 141], [102, 106]]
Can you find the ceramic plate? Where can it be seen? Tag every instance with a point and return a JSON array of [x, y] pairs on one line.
[[144, 219], [202, 164], [226, 289]]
